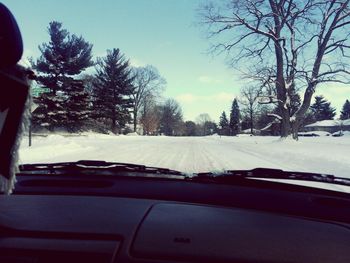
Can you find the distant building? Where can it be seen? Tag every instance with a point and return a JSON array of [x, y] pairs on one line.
[[248, 131], [330, 126]]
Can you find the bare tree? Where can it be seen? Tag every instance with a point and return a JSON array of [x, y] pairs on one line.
[[150, 116], [249, 101], [148, 83], [301, 43], [202, 120]]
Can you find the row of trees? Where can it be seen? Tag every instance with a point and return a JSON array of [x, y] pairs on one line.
[[114, 96], [111, 98], [254, 114], [118, 94]]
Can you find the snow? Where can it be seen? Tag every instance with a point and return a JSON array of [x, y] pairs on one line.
[[325, 154], [248, 131], [346, 133], [275, 115], [266, 127], [341, 133], [132, 134], [329, 123]]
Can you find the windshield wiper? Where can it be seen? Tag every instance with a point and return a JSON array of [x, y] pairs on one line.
[[231, 176], [89, 166], [226, 177]]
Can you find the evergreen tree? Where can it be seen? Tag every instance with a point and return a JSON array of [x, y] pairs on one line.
[[295, 100], [171, 117], [224, 124], [345, 113], [322, 109], [77, 106], [246, 122], [51, 112], [190, 128], [263, 119], [235, 117], [209, 128], [64, 57], [112, 90]]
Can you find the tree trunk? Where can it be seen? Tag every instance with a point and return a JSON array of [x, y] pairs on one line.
[[281, 86], [251, 122], [285, 122], [300, 114], [135, 120], [113, 126], [295, 128]]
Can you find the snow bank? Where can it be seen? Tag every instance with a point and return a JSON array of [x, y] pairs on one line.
[[248, 131], [341, 133], [346, 133], [132, 134]]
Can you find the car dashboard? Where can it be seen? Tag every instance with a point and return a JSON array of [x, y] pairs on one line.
[[135, 219]]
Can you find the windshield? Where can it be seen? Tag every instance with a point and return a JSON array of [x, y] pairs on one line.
[[194, 86]]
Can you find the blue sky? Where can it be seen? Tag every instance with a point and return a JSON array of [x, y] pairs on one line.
[[163, 33]]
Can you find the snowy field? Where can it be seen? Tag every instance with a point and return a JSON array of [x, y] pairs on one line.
[[329, 155]]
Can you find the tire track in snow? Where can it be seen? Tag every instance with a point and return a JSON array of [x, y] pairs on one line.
[[231, 155]]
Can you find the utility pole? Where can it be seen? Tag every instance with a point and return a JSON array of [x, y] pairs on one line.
[[32, 109]]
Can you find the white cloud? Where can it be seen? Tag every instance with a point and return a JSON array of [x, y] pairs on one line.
[[223, 97], [217, 98], [186, 98], [213, 104]]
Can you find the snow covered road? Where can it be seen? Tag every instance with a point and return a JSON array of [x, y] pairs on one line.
[[197, 154]]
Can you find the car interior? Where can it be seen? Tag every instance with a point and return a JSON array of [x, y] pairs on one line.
[[85, 213]]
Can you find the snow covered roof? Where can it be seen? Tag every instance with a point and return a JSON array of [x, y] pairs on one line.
[[248, 130], [266, 127], [329, 123]]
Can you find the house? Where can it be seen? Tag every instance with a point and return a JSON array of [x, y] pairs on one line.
[[248, 131], [330, 126]]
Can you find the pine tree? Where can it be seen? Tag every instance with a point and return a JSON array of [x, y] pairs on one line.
[[345, 113], [322, 109], [190, 128], [64, 57], [112, 90], [224, 124], [295, 101], [77, 106], [235, 117], [51, 112]]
